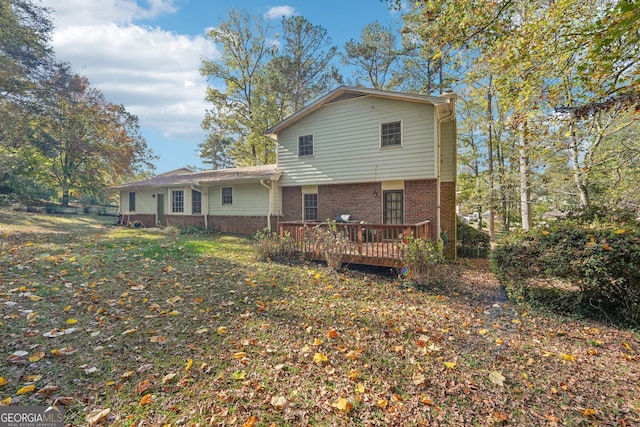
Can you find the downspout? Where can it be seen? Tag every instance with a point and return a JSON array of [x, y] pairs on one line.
[[452, 110], [267, 186]]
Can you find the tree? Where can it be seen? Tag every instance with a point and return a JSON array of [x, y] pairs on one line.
[[215, 151], [374, 57], [84, 143], [242, 109], [302, 70], [25, 30]]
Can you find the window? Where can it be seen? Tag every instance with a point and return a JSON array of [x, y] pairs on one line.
[[310, 207], [305, 145], [177, 201], [196, 202], [132, 202], [227, 195], [391, 134], [393, 207]]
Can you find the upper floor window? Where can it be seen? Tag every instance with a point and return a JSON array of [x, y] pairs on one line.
[[305, 145], [196, 202], [177, 201], [132, 202], [391, 134], [227, 195]]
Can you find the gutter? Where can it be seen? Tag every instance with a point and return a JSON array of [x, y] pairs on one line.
[[267, 186]]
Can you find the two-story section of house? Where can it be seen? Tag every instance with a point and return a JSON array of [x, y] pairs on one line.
[[380, 157]]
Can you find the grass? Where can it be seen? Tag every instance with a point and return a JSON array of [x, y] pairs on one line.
[[151, 327]]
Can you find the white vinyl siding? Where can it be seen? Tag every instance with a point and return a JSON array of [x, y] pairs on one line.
[[347, 143], [248, 199], [448, 152], [145, 203]]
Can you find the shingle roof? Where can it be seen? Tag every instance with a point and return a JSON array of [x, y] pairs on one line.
[[198, 178]]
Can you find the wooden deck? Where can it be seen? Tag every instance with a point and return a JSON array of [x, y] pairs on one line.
[[369, 244]]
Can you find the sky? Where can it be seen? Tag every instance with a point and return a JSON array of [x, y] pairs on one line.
[[146, 55]]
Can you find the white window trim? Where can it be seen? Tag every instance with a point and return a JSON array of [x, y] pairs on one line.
[[222, 203], [391, 147], [313, 141], [183, 202]]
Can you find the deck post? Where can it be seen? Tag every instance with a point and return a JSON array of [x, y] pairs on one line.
[[359, 232]]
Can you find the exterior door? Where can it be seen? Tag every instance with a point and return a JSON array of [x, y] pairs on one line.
[[393, 207], [160, 208]]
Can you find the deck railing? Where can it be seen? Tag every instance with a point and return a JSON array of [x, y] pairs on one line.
[[370, 244]]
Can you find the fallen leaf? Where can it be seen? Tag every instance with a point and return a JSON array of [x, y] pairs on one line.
[[169, 377], [3, 381], [146, 399], [96, 416], [332, 334], [47, 390], [278, 401], [72, 321], [425, 400], [144, 386], [360, 388], [238, 375], [496, 378], [588, 412], [34, 298], [343, 405], [130, 331], [36, 356], [6, 401], [320, 358], [189, 363], [26, 389], [567, 357], [250, 422], [221, 330], [450, 365]]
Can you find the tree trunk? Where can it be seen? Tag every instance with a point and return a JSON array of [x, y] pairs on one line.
[[65, 197], [525, 190], [492, 234]]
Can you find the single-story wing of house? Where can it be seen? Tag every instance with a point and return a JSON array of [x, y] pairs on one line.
[[366, 155]]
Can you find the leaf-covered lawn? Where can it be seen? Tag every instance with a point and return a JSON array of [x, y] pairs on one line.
[[149, 327]]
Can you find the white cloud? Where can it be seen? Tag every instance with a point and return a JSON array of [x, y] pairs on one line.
[[154, 73], [278, 12]]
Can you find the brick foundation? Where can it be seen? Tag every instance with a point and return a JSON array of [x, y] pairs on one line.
[[149, 220], [245, 225], [448, 216], [184, 221]]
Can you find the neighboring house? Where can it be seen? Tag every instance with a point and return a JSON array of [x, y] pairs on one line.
[[381, 157]]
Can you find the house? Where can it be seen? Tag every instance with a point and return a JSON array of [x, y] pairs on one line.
[[376, 156]]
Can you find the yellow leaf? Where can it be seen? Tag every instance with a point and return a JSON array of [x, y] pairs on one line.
[[221, 330], [320, 358], [174, 313], [343, 405], [72, 321], [202, 331], [3, 381], [238, 375], [32, 315], [26, 389], [6, 402], [589, 412], [567, 357], [450, 365], [146, 399], [354, 374], [482, 331], [382, 403], [360, 388], [36, 356], [127, 374], [32, 378], [130, 331], [240, 355], [425, 400], [619, 231], [34, 298], [627, 346], [189, 363]]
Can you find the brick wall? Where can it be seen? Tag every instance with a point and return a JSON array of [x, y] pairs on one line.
[[291, 204], [448, 216], [246, 225], [149, 220], [420, 203], [362, 201], [185, 221]]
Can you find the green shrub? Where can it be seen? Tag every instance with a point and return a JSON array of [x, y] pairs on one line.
[[470, 241], [424, 262], [601, 259]]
